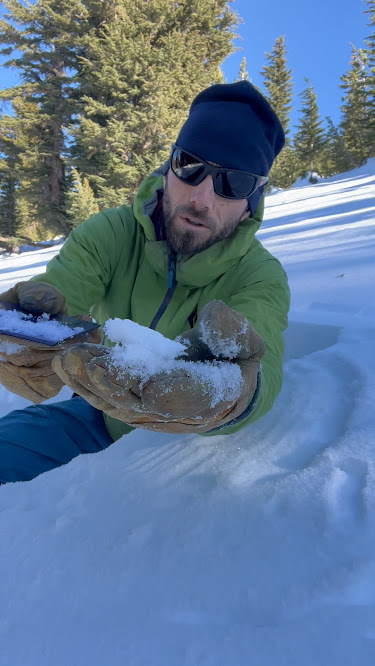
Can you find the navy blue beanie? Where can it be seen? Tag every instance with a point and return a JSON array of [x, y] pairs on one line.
[[233, 125]]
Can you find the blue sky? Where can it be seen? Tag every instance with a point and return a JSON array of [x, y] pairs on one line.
[[317, 38]]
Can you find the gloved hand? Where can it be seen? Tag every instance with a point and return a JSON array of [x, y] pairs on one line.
[[179, 400], [25, 366]]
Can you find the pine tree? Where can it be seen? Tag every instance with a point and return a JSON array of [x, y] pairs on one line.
[[121, 74], [8, 181], [81, 200], [278, 83], [138, 74], [243, 75], [309, 139], [335, 155], [355, 120], [370, 53], [19, 148], [44, 42]]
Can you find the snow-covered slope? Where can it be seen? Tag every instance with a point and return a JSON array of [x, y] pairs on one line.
[[257, 548]]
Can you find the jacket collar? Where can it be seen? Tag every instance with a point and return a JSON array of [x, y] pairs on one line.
[[200, 269]]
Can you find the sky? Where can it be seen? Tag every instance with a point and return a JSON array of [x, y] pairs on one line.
[[317, 38], [256, 548]]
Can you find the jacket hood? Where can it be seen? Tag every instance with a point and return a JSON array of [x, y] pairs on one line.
[[199, 269]]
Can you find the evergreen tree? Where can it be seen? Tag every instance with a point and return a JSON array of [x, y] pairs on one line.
[[243, 75], [370, 52], [355, 120], [335, 155], [309, 139], [8, 183], [81, 201], [137, 76], [19, 141], [44, 37], [284, 169], [121, 75], [278, 83]]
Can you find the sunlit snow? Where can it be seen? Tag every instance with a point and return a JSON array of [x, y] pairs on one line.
[[254, 549]]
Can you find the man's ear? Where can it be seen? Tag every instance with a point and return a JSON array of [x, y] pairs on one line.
[[246, 213]]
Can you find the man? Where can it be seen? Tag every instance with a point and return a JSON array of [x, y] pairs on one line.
[[183, 259]]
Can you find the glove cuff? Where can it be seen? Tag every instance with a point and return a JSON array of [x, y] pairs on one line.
[[249, 409]]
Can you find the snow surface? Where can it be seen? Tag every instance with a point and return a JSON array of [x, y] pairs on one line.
[[142, 352], [255, 549]]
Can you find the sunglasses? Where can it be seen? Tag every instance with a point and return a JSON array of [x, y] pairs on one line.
[[228, 183]]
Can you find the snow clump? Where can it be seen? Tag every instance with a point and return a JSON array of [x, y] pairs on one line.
[[143, 352], [140, 350]]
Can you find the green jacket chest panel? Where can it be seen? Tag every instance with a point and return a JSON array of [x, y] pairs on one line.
[[147, 296]]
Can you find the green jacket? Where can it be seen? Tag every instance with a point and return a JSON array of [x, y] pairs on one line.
[[112, 266]]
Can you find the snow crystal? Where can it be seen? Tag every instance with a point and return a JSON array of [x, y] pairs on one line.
[[143, 352], [220, 346], [222, 379], [9, 348], [44, 328]]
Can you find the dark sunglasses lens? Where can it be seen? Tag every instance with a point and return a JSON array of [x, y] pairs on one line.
[[187, 168], [234, 184]]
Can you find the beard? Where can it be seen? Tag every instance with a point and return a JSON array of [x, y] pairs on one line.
[[187, 241]]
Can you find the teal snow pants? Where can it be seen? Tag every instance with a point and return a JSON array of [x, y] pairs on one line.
[[38, 438]]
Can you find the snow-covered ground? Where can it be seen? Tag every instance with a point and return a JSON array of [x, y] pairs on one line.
[[251, 550]]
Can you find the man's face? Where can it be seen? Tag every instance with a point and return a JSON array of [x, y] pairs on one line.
[[196, 217]]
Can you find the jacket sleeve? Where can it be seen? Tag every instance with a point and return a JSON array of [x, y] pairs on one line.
[[83, 268], [265, 303]]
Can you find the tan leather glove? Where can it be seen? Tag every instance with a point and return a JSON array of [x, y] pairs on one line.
[[175, 401], [221, 334], [25, 366]]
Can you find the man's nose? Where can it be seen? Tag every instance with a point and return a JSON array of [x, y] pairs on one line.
[[203, 195]]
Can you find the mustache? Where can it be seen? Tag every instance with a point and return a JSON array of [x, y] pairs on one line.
[[194, 214]]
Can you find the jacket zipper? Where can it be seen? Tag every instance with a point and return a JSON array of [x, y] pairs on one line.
[[171, 286]]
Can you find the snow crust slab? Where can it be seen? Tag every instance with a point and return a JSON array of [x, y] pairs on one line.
[[44, 328]]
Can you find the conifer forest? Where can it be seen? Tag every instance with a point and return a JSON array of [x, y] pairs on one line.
[[105, 86]]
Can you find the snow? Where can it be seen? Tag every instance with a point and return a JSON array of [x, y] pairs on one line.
[[140, 350], [258, 548], [9, 348], [131, 334], [143, 352], [220, 346], [42, 328]]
